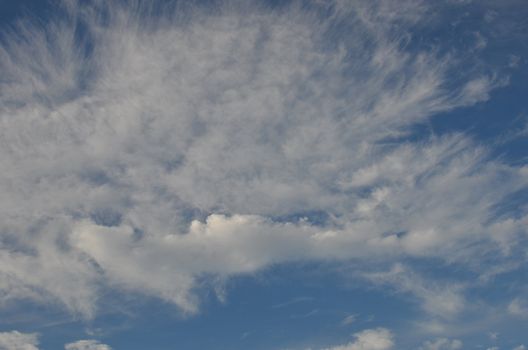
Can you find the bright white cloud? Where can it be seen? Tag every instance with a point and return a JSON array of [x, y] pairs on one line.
[[18, 341], [86, 345], [182, 148], [370, 339]]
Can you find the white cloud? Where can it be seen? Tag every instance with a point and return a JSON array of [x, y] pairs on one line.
[[190, 148], [348, 320], [370, 339], [87, 345], [520, 347], [518, 307], [442, 344], [18, 341], [443, 300]]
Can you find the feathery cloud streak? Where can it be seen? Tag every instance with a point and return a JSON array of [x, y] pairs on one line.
[[144, 152]]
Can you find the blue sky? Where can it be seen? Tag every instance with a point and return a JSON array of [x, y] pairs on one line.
[[325, 175]]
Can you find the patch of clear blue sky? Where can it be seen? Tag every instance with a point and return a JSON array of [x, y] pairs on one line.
[[292, 305], [297, 306], [304, 305]]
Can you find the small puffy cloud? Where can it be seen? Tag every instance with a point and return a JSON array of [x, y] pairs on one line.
[[442, 344], [18, 341], [348, 320], [86, 345], [520, 347], [477, 90], [493, 335], [518, 307], [370, 339]]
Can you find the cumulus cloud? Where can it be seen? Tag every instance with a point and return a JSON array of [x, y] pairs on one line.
[[18, 341], [86, 345], [15, 340], [150, 152], [370, 339]]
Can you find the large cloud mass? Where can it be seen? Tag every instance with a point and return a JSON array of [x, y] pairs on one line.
[[142, 153]]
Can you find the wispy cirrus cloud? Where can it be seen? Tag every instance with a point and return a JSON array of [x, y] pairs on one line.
[[149, 152], [443, 300]]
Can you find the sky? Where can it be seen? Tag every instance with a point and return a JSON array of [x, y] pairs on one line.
[[268, 175]]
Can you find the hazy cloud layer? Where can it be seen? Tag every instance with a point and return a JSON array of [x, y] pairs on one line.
[[149, 152], [442, 344]]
